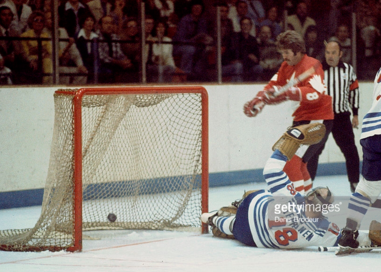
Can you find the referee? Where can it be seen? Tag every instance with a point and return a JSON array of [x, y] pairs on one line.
[[342, 85]]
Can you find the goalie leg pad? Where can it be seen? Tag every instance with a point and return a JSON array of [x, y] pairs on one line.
[[223, 223], [238, 202], [227, 211], [290, 141], [217, 233], [375, 232]]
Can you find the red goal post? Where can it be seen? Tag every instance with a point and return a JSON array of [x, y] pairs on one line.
[[138, 152]]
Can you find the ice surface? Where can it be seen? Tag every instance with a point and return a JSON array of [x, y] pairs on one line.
[[183, 251]]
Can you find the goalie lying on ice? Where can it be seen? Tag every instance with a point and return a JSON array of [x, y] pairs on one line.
[[280, 217]]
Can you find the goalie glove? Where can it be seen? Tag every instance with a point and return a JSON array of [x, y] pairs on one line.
[[272, 96]]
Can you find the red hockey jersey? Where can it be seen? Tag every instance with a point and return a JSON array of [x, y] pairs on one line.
[[315, 103]]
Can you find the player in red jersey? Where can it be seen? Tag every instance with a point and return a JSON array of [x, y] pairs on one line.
[[309, 97]]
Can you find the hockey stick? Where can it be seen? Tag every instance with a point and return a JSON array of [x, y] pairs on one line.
[[327, 249], [290, 84], [359, 249]]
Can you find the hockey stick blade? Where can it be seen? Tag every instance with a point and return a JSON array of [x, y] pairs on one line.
[[341, 251], [348, 250], [290, 84]]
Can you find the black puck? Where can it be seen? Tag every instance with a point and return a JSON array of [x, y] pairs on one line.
[[111, 217]]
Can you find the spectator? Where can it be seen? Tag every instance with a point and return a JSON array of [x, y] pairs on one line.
[[151, 9], [242, 11], [226, 26], [230, 68], [21, 13], [232, 8], [335, 15], [99, 8], [86, 46], [244, 48], [320, 12], [270, 58], [182, 8], [368, 23], [5, 73], [160, 63], [69, 56], [38, 4], [272, 21], [256, 11], [10, 50], [370, 34], [36, 23], [131, 48], [70, 13], [132, 8], [314, 48], [300, 21], [342, 36], [149, 24], [166, 8], [115, 67], [192, 29], [118, 12]]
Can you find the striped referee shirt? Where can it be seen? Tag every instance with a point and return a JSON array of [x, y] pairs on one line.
[[342, 85]]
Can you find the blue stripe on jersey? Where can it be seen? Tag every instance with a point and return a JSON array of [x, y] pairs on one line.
[[259, 214], [322, 225], [264, 230], [371, 121], [279, 187], [367, 129], [368, 121], [274, 176], [279, 156], [276, 181], [372, 114], [312, 225]]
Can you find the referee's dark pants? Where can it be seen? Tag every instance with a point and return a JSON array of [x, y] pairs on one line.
[[344, 137]]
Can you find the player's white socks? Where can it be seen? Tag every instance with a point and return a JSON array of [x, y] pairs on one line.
[[224, 223], [357, 208], [275, 163]]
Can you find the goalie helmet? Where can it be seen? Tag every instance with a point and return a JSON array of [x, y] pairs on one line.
[[320, 196]]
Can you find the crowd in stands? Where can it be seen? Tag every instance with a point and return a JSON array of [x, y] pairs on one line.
[[100, 40]]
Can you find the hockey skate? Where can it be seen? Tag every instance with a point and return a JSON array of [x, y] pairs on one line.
[[348, 238], [207, 218], [349, 245]]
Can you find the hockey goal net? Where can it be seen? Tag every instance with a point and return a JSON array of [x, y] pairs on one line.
[[138, 153]]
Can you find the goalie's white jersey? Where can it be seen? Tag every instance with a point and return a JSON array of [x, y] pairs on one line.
[[371, 124], [276, 217], [290, 229]]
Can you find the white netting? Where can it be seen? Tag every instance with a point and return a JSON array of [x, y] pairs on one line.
[[141, 161]]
